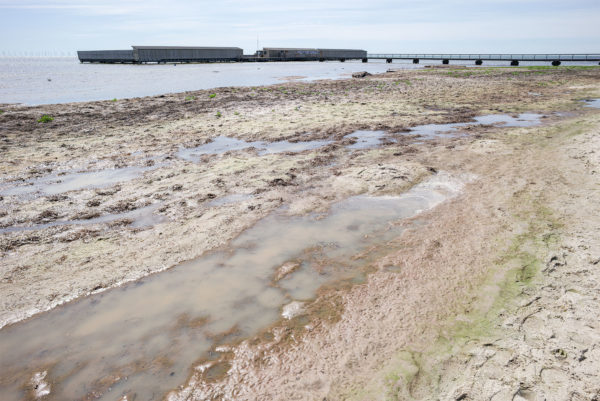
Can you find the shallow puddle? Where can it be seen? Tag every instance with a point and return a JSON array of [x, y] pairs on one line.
[[371, 139], [55, 184], [230, 199], [141, 217], [595, 103], [142, 340], [222, 144], [366, 139], [285, 146], [505, 120], [431, 131]]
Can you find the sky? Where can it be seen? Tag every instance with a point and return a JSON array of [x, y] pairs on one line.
[[60, 27]]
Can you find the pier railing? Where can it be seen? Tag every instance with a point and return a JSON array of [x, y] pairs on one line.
[[490, 57]]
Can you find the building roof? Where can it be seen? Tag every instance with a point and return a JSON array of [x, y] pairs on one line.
[[185, 47], [347, 50], [288, 48], [306, 48], [105, 50]]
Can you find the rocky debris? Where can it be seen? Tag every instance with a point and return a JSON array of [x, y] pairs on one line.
[[361, 74], [285, 269], [46, 216]]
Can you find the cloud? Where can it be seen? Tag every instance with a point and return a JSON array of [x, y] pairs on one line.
[[343, 23], [89, 7]]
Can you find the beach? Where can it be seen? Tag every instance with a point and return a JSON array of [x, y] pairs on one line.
[[486, 291]]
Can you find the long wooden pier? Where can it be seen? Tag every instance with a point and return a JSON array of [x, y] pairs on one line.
[[554, 59], [179, 54]]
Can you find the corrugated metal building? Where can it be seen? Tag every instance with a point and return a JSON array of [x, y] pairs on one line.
[[312, 54], [343, 53], [161, 54], [106, 56], [158, 54], [185, 54], [284, 52]]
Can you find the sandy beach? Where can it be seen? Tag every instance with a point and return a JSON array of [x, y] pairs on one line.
[[490, 294]]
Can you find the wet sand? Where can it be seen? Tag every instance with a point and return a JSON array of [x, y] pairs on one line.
[[533, 197]]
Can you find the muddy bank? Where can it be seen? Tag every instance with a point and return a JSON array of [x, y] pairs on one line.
[[465, 304], [61, 250], [176, 318]]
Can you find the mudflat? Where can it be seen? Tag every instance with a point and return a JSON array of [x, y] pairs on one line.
[[491, 294]]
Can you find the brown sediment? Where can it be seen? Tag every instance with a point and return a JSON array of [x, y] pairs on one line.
[[103, 384], [185, 321], [447, 266], [292, 78], [225, 337], [217, 370], [361, 330], [443, 268]]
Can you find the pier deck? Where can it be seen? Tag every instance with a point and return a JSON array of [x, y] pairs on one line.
[[555, 59], [165, 54]]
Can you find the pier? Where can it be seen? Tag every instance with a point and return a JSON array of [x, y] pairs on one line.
[[554, 59], [181, 54]]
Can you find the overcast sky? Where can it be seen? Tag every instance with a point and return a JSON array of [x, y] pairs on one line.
[[375, 25]]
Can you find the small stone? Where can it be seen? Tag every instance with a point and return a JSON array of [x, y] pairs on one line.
[[360, 74]]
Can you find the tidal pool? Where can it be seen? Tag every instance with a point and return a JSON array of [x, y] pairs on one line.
[[431, 131], [141, 340], [505, 120], [53, 184], [141, 217], [595, 103], [222, 144], [230, 199], [366, 139]]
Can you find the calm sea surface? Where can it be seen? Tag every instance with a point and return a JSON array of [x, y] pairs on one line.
[[41, 80], [45, 80]]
